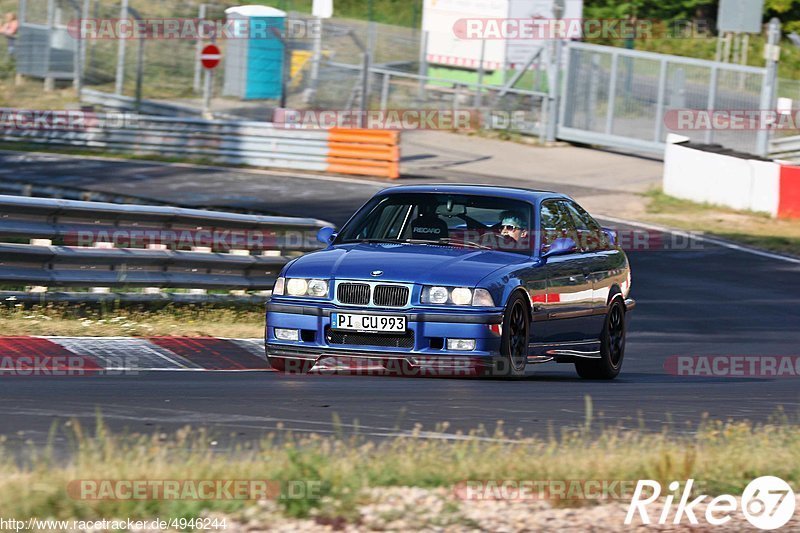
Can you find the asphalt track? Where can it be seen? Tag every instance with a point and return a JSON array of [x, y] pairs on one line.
[[704, 300]]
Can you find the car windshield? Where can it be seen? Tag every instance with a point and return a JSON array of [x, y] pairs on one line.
[[483, 222]]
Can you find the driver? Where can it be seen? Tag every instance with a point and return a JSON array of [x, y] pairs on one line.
[[513, 226]]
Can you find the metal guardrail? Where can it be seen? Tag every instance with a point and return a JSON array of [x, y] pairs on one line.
[[785, 148], [260, 144], [146, 107], [162, 247]]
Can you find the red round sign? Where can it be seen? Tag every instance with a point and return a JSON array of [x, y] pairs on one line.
[[210, 56]]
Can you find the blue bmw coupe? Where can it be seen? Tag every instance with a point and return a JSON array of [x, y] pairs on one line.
[[446, 275]]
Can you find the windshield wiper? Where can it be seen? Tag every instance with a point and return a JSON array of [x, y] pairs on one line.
[[438, 242], [447, 240], [369, 241]]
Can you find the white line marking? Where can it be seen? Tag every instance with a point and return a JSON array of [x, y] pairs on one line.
[[699, 238]]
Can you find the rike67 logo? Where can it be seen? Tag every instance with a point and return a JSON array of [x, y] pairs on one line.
[[767, 503]]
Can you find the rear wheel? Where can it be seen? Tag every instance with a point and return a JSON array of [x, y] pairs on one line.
[[289, 366], [514, 340], [612, 347]]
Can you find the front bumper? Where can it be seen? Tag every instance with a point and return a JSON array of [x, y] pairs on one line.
[[430, 330]]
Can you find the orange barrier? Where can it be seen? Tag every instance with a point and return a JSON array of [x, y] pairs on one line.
[[364, 152]]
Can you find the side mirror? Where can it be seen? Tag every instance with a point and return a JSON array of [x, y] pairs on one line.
[[326, 235], [562, 246], [612, 235]]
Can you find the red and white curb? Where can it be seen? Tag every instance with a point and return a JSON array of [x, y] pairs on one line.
[[63, 355]]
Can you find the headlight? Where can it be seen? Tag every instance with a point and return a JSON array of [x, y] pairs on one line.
[[457, 296], [461, 296], [297, 287], [435, 295], [279, 287], [316, 288]]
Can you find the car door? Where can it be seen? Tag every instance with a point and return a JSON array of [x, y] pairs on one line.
[[598, 263], [568, 298]]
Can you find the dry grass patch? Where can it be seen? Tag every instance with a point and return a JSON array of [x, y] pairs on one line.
[[84, 320], [750, 228], [723, 457]]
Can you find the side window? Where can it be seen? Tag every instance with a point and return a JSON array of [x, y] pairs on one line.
[[555, 223], [590, 234]]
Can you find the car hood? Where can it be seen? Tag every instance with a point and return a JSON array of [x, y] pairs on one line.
[[409, 263]]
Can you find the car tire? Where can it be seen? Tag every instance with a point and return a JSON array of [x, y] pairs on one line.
[[514, 339], [289, 366], [612, 347]]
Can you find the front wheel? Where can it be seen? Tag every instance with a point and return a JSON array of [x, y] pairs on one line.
[[612, 347], [514, 340]]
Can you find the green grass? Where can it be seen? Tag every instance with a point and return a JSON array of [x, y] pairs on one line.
[[100, 321], [746, 227], [722, 457]]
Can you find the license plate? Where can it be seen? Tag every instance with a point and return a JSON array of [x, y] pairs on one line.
[[368, 323]]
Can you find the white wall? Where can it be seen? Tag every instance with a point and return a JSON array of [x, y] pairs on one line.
[[700, 176]]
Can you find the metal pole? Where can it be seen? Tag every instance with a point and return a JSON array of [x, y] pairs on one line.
[[385, 91], [199, 50], [712, 101], [612, 93], [423, 65], [311, 92], [49, 82], [139, 74], [662, 90], [553, 87], [207, 94], [745, 49], [553, 77], [478, 93], [364, 89], [80, 48], [121, 53], [771, 54], [85, 15], [286, 70]]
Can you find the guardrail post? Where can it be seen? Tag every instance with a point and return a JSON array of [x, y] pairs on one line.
[[154, 246], [202, 250], [239, 292], [38, 242], [104, 246]]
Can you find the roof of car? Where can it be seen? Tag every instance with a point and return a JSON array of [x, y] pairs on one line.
[[517, 193]]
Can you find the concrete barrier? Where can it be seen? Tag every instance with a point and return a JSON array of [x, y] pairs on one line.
[[728, 179]]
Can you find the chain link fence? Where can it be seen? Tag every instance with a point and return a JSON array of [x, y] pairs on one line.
[[610, 95]]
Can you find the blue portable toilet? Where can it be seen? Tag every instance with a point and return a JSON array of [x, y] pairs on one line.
[[254, 57]]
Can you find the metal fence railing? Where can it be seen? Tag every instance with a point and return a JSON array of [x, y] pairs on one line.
[[626, 96], [78, 245]]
